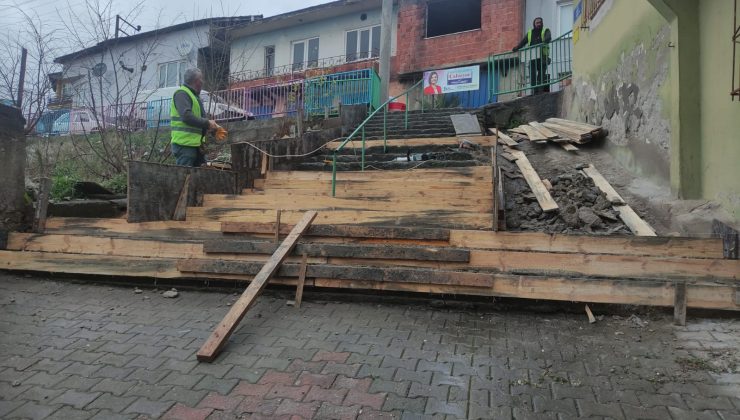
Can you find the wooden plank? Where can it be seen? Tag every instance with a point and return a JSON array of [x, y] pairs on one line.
[[503, 138], [42, 205], [581, 125], [611, 194], [590, 315], [119, 228], [679, 304], [182, 200], [479, 204], [368, 273], [616, 266], [264, 164], [277, 228], [634, 222], [495, 184], [301, 281], [465, 173], [226, 327], [535, 183], [586, 244], [348, 231], [618, 291], [152, 188], [569, 133], [543, 130], [532, 134], [568, 147], [343, 250], [518, 130], [421, 218]]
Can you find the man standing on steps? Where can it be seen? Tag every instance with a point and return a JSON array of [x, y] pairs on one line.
[[188, 125], [537, 66]]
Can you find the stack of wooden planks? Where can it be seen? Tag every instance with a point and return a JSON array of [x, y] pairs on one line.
[[625, 270], [560, 131]]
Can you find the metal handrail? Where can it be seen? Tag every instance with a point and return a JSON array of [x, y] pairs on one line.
[[529, 67], [361, 127]]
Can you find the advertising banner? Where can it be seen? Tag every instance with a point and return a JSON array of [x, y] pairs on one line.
[[459, 79]]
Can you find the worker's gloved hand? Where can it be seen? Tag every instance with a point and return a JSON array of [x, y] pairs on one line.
[[220, 134], [212, 125]]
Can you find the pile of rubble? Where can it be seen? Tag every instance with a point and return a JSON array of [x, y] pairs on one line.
[[584, 208]]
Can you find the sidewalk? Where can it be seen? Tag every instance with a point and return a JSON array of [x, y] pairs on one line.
[[74, 350]]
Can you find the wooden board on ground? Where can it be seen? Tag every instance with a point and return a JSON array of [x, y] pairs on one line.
[[543, 130], [503, 138], [465, 173], [532, 134], [348, 231], [568, 147], [465, 124], [153, 189], [217, 340], [535, 183], [635, 223], [389, 252], [576, 124], [574, 135]]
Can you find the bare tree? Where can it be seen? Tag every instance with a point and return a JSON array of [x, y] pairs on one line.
[[37, 86]]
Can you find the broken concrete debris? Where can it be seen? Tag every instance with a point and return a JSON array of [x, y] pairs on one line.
[[171, 294]]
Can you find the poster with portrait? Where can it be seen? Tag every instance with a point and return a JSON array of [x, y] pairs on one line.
[[459, 79]]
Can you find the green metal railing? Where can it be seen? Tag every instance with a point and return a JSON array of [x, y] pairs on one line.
[[361, 130], [530, 69]]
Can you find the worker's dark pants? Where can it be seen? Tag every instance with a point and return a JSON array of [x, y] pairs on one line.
[[188, 156], [538, 75]]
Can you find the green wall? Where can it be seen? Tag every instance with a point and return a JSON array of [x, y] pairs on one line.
[[704, 144], [720, 117]]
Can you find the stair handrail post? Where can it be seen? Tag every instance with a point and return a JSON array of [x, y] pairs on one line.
[[385, 128], [406, 111], [334, 175], [421, 95], [363, 149]]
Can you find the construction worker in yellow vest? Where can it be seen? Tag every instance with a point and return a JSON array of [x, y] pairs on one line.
[[188, 123], [539, 60]]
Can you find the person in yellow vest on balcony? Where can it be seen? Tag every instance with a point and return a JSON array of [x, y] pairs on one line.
[[539, 60], [189, 127]]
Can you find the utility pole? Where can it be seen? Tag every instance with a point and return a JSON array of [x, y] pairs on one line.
[[22, 78], [386, 30]]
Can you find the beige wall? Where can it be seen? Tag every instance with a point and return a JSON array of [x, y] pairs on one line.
[[720, 117]]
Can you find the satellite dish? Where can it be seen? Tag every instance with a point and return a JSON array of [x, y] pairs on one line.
[[184, 47], [99, 69]]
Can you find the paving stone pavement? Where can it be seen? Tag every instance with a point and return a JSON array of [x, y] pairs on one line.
[[75, 350]]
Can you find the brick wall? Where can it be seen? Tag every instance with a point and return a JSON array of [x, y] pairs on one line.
[[501, 29]]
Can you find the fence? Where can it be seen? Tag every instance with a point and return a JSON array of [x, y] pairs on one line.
[[532, 69], [316, 96], [324, 94]]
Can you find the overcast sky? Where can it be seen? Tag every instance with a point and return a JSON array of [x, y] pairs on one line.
[[153, 13]]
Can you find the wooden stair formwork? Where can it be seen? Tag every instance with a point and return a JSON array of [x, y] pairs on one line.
[[423, 231]]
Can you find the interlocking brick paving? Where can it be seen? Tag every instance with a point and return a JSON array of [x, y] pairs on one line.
[[79, 350]]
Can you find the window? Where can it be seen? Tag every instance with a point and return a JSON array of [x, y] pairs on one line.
[[363, 43], [452, 16], [306, 50], [269, 60], [171, 74]]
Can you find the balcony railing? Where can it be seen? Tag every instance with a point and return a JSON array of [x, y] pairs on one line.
[[532, 69], [310, 68]]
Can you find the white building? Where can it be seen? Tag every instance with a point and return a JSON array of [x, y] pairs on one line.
[[116, 71], [331, 34]]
